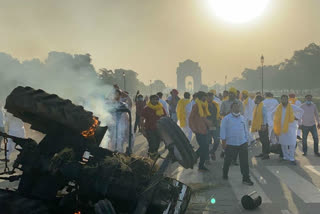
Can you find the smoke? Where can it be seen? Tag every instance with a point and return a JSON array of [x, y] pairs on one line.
[[69, 76]]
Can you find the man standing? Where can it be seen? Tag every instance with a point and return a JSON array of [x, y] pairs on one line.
[[294, 101], [308, 124], [118, 131], [260, 125], [149, 117], [182, 115], [248, 106], [225, 109], [140, 104], [234, 135], [270, 104], [173, 102], [214, 129], [199, 125], [285, 126], [226, 105], [164, 103], [225, 95]]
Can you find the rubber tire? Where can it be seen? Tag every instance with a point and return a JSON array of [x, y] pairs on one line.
[[46, 112], [168, 128]]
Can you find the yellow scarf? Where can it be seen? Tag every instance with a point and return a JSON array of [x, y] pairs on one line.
[[181, 111], [292, 100], [245, 102], [289, 118], [203, 108], [158, 108], [225, 98], [218, 109], [257, 118]]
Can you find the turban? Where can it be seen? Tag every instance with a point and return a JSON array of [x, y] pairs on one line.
[[245, 92], [233, 90], [213, 91], [292, 95]]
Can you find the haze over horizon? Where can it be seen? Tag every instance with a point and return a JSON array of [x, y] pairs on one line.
[[152, 37]]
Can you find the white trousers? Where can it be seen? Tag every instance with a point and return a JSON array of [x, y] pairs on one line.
[[272, 136], [299, 133], [187, 131], [288, 152]]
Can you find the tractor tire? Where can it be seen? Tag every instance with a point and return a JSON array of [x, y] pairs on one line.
[[171, 134], [47, 112]]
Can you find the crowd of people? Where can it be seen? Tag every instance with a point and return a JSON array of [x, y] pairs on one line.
[[234, 120]]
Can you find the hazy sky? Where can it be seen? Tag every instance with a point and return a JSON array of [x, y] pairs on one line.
[[153, 36]]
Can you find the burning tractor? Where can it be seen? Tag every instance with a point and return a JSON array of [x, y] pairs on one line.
[[67, 172]]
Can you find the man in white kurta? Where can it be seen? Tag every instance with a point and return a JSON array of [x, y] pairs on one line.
[[118, 130], [288, 139], [248, 106], [188, 112], [270, 104], [294, 101]]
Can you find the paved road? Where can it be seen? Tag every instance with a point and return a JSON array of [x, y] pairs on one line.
[[284, 188]]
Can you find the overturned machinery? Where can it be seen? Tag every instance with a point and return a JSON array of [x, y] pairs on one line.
[[67, 172]]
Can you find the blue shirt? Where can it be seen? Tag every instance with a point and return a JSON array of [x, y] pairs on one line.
[[233, 130]]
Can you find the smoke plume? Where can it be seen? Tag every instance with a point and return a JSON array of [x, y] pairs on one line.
[[69, 76]]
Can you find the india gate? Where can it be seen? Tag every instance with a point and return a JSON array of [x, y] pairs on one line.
[[189, 76]]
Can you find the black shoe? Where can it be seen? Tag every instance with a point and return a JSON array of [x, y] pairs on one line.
[[304, 154], [259, 156], [317, 154], [225, 177], [203, 168], [265, 157], [247, 182], [299, 138]]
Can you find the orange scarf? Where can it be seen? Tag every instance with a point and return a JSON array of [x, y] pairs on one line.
[[293, 100]]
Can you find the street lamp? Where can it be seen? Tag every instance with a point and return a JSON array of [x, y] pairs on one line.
[[225, 83], [262, 61], [124, 81]]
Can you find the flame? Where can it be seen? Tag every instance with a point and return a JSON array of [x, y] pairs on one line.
[[77, 212], [90, 132]]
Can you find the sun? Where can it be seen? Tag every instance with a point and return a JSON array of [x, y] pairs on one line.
[[238, 11]]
